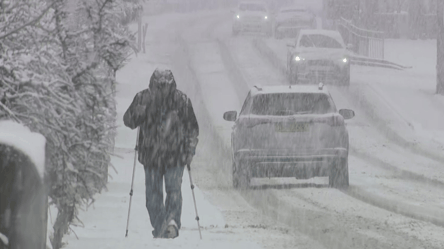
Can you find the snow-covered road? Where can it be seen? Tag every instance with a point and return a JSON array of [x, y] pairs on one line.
[[395, 194], [391, 187]]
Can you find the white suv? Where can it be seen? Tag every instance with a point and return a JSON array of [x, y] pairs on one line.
[[290, 131], [318, 56]]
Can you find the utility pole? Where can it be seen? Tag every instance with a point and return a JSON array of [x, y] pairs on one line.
[[440, 48]]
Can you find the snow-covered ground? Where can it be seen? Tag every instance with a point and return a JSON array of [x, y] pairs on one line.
[[395, 199], [365, 177]]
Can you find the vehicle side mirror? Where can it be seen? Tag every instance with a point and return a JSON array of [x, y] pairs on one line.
[[347, 114], [350, 46], [291, 45], [230, 116]]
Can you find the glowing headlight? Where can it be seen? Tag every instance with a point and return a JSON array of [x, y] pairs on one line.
[[266, 17], [297, 58], [238, 16], [345, 60]]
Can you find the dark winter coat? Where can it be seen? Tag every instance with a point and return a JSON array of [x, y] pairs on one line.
[[165, 115]]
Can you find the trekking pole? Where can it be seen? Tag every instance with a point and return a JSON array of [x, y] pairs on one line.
[[132, 181], [194, 198]]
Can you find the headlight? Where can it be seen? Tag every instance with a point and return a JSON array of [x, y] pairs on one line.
[[238, 16], [266, 17], [297, 58], [345, 60]]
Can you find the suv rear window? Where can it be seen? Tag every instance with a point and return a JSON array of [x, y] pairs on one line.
[[285, 104]]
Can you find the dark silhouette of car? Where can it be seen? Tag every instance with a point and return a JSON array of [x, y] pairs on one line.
[[250, 16], [290, 20], [318, 56]]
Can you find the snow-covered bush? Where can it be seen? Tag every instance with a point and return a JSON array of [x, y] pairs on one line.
[[58, 60], [130, 11]]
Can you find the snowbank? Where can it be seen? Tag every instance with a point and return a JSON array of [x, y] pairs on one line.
[[30, 143], [419, 54]]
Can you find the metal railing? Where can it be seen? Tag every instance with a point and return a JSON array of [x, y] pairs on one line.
[[365, 42]]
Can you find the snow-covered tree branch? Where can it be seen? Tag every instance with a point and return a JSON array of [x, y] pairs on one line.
[[58, 61]]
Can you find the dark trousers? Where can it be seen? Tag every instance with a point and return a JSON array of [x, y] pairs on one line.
[[160, 213]]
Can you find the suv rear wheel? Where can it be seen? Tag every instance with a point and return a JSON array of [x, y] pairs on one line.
[[339, 174], [241, 177]]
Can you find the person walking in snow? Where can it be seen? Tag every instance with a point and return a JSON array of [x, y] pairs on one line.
[[167, 141]]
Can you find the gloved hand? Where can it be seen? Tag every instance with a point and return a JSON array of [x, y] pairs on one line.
[[191, 150]]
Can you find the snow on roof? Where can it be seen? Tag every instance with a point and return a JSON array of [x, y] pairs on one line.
[[287, 89], [30, 143]]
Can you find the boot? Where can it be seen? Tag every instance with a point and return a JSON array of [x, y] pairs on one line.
[[172, 230]]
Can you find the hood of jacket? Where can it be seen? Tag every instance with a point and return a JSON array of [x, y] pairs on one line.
[[162, 80]]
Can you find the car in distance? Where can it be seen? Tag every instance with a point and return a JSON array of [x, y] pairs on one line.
[[251, 16], [318, 56], [289, 20], [290, 131]]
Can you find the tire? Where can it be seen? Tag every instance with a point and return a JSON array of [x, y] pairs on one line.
[[241, 178], [339, 177]]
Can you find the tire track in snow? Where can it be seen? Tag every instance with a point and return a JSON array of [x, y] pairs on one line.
[[388, 132], [360, 194], [269, 204], [266, 201], [220, 163]]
